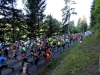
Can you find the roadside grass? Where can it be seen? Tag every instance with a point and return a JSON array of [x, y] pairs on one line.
[[79, 59]]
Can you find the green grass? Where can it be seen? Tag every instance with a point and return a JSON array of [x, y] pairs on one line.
[[80, 59]]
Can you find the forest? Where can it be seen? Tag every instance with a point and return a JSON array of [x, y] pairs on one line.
[[17, 25]]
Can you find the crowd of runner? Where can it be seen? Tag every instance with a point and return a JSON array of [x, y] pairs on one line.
[[34, 48]]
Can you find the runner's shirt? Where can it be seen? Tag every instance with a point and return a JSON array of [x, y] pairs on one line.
[[41, 46], [6, 51], [59, 43], [24, 48], [2, 60], [68, 40], [50, 39], [48, 54], [0, 44], [38, 44], [54, 40], [51, 43]]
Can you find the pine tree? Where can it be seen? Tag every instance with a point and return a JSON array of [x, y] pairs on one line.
[[35, 9], [10, 14], [92, 23], [79, 23]]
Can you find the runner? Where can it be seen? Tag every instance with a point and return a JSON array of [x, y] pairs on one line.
[[32, 53], [3, 64], [36, 58], [14, 55], [58, 45], [69, 42], [25, 66], [80, 40], [48, 54], [54, 43], [5, 52], [62, 45]]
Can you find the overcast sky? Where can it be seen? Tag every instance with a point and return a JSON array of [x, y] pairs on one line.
[[54, 8], [82, 8]]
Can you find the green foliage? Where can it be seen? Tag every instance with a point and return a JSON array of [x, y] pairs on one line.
[[82, 24], [92, 18], [95, 14], [35, 15], [52, 26], [72, 28], [79, 23], [65, 29], [10, 15], [75, 30]]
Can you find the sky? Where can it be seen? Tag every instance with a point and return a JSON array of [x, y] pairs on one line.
[[82, 8], [54, 8]]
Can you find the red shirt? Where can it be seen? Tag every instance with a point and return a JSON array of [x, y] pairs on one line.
[[41, 46], [47, 54]]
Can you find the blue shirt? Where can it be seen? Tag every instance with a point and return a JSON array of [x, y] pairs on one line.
[[0, 44], [2, 60]]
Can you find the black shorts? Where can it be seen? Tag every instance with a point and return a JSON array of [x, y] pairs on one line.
[[3, 66], [36, 61], [23, 52], [63, 45], [5, 54], [58, 46], [54, 43]]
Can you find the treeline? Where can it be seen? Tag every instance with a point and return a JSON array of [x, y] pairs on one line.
[[16, 25], [95, 15]]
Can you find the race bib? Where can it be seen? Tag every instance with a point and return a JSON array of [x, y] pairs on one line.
[[47, 54]]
